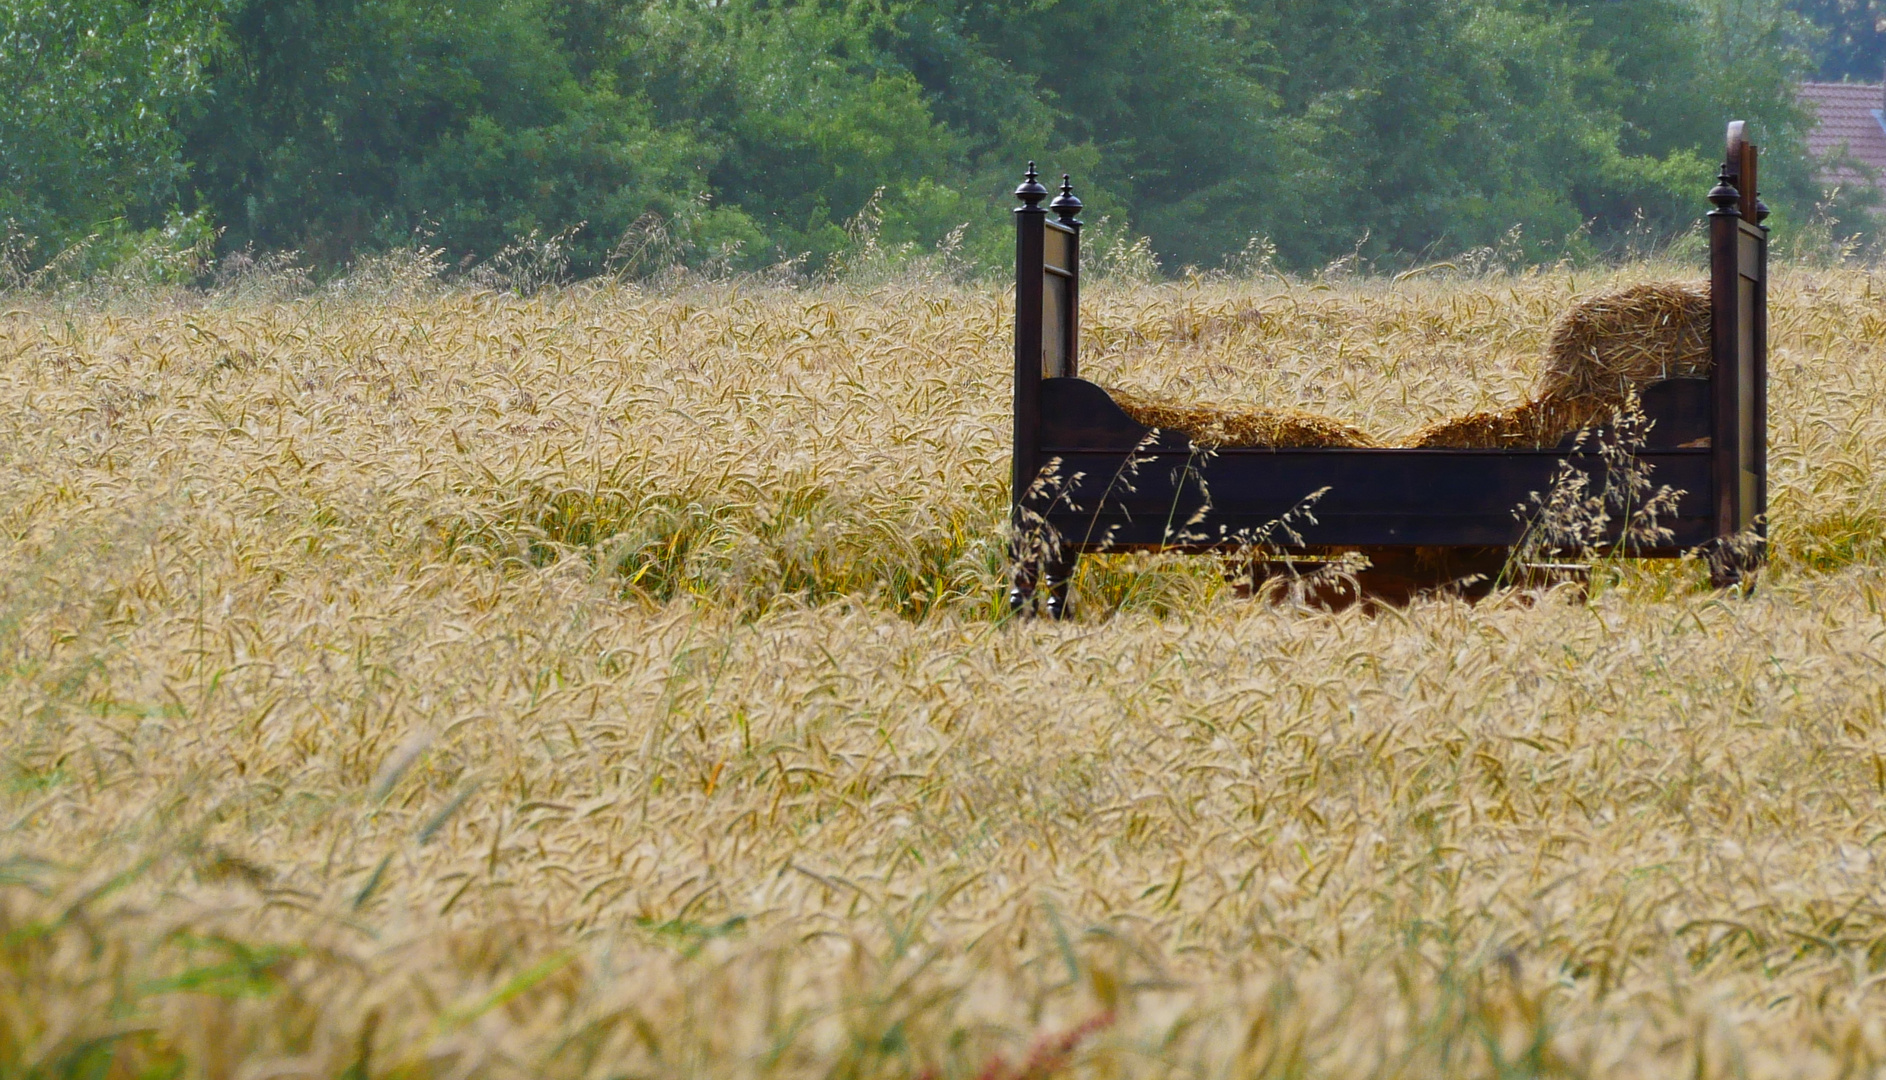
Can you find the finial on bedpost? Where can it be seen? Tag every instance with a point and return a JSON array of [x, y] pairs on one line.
[[1065, 204], [1031, 192], [1724, 194], [1761, 209]]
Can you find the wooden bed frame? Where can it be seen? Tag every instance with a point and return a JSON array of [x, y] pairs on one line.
[[1089, 478]]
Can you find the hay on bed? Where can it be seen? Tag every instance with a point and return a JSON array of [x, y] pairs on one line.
[[1534, 424], [1599, 354], [1607, 346], [1249, 425]]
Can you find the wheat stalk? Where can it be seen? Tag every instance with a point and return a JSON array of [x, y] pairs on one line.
[[403, 681]]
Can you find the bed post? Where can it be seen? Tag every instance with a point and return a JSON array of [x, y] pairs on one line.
[[1067, 211], [1027, 541], [1738, 289], [1758, 432], [1047, 320]]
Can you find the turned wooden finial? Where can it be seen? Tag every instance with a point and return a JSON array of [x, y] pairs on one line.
[[1065, 204], [1724, 194], [1031, 192]]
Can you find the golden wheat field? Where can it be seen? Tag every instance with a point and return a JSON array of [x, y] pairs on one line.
[[412, 682]]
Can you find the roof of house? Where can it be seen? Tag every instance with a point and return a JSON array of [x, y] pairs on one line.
[[1849, 118]]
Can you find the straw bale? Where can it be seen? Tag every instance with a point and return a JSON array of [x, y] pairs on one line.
[[1599, 354], [1608, 346], [1246, 425]]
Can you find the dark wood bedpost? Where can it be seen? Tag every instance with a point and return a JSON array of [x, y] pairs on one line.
[[1738, 283], [1030, 227], [1067, 211], [1047, 323], [1759, 434], [1025, 555]]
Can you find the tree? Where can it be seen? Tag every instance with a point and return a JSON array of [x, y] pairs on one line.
[[1851, 38], [808, 115], [338, 125], [760, 128], [88, 92]]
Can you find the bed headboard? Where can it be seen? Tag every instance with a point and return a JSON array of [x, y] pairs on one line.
[[1738, 291]]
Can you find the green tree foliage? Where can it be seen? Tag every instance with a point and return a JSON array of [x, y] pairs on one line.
[[342, 124], [1449, 123], [88, 90], [1399, 125], [756, 130], [1849, 39], [807, 116], [1164, 110]]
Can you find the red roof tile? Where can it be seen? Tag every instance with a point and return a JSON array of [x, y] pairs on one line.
[[1848, 117]]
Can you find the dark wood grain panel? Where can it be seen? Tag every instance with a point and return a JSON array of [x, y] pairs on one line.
[[1436, 498]]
